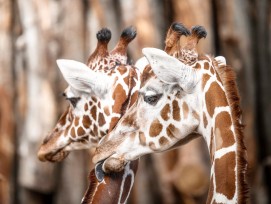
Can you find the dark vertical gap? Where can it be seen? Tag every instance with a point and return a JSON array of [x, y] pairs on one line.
[[168, 14], [118, 14], [85, 5], [214, 20], [258, 36]]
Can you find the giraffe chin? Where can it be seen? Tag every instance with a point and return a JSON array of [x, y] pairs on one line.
[[53, 157], [113, 164], [58, 157]]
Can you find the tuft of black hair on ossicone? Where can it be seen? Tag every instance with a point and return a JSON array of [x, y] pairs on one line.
[[180, 28], [199, 31], [129, 33], [104, 35]]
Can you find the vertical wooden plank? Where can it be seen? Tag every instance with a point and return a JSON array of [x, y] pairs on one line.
[[71, 30], [6, 105], [40, 107], [194, 12]]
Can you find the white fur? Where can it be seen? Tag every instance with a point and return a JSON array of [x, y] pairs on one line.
[[220, 60], [141, 63], [80, 77], [169, 69]]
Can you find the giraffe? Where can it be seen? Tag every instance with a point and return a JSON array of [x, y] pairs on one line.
[[181, 98], [98, 93]]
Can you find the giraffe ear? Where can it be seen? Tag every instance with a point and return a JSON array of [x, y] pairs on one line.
[[220, 60], [80, 77], [169, 69]]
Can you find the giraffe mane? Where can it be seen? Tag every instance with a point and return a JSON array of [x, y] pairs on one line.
[[228, 78]]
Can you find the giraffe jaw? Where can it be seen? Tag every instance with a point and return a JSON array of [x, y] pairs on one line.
[[52, 156]]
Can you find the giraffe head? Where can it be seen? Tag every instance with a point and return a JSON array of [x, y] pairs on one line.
[[182, 97], [98, 94], [167, 87]]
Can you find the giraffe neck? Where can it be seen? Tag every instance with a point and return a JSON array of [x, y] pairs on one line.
[[114, 187], [222, 130]]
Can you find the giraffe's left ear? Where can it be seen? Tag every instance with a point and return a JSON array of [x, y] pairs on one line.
[[80, 77], [169, 69]]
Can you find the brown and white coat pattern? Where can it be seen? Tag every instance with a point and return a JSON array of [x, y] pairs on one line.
[[177, 101], [99, 93]]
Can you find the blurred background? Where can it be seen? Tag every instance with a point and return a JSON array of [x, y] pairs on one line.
[[34, 33]]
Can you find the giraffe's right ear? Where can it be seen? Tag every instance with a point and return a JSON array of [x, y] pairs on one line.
[[80, 77], [170, 70]]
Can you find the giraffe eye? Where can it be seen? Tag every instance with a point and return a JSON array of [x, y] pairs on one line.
[[73, 100], [153, 99]]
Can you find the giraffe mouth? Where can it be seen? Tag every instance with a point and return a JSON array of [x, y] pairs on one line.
[[52, 156], [58, 156]]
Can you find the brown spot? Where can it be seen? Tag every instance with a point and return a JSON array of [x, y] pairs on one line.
[[223, 135], [90, 103], [185, 110], [113, 122], [119, 96], [176, 110], [126, 80], [93, 112], [99, 104], [170, 131], [94, 99], [86, 107], [80, 131], [76, 121], [95, 130], [73, 132], [165, 112], [197, 66], [155, 128], [62, 119], [133, 98], [101, 120], [205, 121], [225, 175], [142, 138], [105, 61], [163, 141], [102, 133], [215, 97], [212, 69], [152, 146], [86, 121], [205, 78], [146, 75], [206, 65], [106, 111]]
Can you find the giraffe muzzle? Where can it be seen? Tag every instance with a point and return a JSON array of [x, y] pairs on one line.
[[56, 156]]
